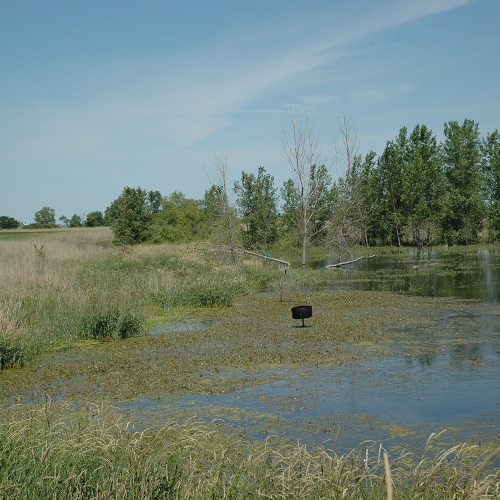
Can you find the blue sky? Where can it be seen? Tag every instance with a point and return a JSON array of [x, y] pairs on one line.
[[98, 95]]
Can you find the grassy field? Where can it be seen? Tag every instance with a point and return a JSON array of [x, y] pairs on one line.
[[62, 291]]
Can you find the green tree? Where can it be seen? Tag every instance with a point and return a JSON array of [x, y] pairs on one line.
[[423, 185], [75, 221], [362, 179], [179, 219], [64, 220], [258, 202], [94, 219], [154, 200], [45, 216], [388, 184], [111, 212], [289, 207], [8, 222], [133, 222], [464, 203], [490, 150]]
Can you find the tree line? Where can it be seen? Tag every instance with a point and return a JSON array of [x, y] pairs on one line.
[[417, 192]]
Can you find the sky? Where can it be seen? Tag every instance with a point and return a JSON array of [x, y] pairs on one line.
[[99, 95]]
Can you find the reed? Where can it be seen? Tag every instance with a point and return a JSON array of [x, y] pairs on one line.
[[51, 451]]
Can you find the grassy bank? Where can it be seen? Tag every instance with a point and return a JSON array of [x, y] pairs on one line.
[[60, 286], [47, 451]]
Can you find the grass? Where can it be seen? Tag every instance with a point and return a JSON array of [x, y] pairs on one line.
[[51, 451], [63, 285]]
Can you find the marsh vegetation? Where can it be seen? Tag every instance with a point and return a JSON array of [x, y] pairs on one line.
[[96, 407]]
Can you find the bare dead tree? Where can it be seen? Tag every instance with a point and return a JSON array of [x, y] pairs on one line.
[[346, 225], [300, 148], [226, 213]]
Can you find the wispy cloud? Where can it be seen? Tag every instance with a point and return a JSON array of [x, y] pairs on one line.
[[186, 100]]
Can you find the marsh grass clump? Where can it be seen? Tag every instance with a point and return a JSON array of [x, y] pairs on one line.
[[51, 451], [111, 325], [200, 293], [15, 348]]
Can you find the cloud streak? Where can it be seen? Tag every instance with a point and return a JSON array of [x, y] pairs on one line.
[[186, 100]]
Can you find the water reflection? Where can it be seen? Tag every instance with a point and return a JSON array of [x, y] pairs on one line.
[[433, 273]]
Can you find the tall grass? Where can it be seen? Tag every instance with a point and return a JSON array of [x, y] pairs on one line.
[[49, 451], [64, 285]]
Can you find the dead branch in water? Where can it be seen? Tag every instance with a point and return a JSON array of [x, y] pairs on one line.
[[267, 258], [351, 261]]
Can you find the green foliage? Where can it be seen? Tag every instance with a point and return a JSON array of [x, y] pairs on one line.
[[110, 325], [179, 219], [133, 222], [45, 216], [289, 207], [111, 212], [40, 252], [94, 219], [201, 287], [258, 203], [490, 150], [75, 221], [464, 204], [8, 222], [154, 200]]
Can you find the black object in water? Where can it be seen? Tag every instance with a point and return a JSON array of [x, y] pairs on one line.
[[301, 312]]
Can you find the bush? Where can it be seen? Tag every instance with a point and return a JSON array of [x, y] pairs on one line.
[[111, 325]]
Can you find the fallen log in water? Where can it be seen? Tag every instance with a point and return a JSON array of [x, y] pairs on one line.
[[351, 261], [267, 257]]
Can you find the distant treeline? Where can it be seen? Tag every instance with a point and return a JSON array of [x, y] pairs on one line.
[[417, 192]]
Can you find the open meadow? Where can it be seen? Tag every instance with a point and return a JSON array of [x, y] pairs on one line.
[[163, 371]]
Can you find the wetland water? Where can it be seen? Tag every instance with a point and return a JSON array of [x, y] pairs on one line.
[[400, 346], [443, 372]]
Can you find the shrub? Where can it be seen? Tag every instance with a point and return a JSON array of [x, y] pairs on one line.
[[111, 325]]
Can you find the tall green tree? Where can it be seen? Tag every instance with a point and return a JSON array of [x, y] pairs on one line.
[[388, 184], [111, 212], [154, 200], [133, 222], [423, 185], [464, 203], [490, 149], [289, 208], [258, 203], [363, 182], [45, 216]]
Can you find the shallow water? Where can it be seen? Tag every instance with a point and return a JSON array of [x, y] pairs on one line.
[[444, 374], [461, 273]]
